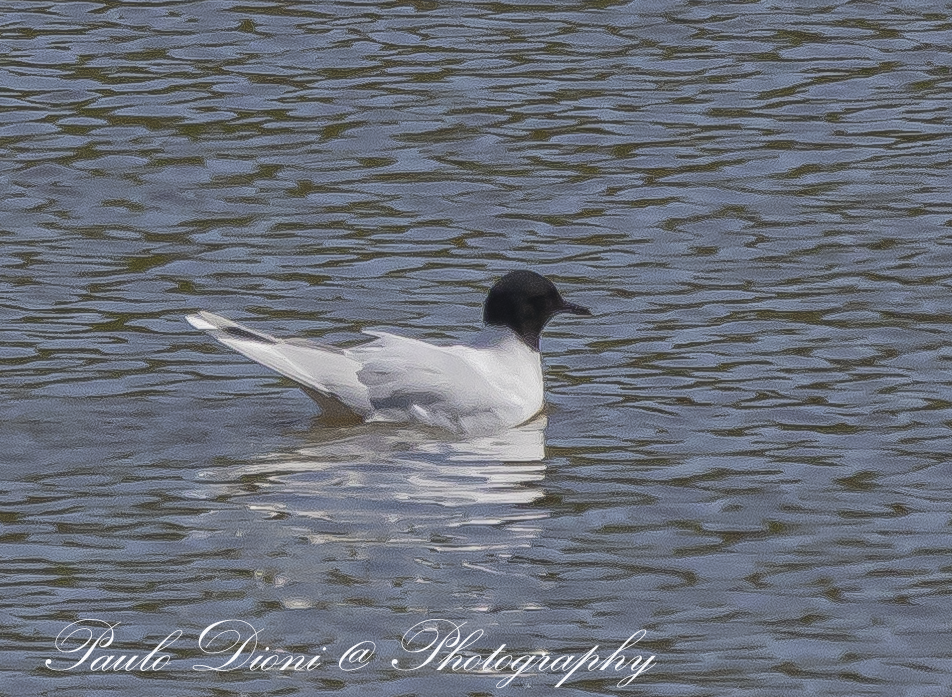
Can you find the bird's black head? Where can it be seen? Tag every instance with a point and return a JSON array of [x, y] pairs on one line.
[[524, 301]]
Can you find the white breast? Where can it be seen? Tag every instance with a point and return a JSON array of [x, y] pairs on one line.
[[512, 369]]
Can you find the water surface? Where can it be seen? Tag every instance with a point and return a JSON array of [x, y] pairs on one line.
[[746, 451]]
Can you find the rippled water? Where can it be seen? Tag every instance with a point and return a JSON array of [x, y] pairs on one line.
[[747, 448]]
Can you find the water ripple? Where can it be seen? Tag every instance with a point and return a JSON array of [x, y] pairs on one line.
[[746, 446]]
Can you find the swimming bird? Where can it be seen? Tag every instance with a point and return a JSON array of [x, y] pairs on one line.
[[491, 384]]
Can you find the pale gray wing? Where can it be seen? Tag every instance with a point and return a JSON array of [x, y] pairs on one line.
[[407, 378], [327, 374]]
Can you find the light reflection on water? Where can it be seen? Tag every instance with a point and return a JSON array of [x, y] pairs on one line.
[[424, 467], [747, 447]]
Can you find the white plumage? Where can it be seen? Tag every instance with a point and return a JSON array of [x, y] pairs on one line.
[[469, 389]]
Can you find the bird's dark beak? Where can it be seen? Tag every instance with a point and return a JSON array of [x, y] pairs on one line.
[[574, 309]]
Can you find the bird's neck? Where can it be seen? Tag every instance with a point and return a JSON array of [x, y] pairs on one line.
[[497, 334]]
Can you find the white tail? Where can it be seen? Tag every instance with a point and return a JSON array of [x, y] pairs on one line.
[[325, 373]]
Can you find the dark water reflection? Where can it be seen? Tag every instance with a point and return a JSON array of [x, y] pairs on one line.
[[747, 450]]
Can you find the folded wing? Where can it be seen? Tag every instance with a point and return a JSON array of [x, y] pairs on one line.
[[406, 378]]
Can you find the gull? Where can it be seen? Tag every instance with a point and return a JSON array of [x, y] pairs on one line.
[[487, 385]]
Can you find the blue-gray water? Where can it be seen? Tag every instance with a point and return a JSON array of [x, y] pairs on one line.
[[747, 448]]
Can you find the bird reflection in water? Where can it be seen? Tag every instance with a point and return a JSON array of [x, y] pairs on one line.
[[373, 463]]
